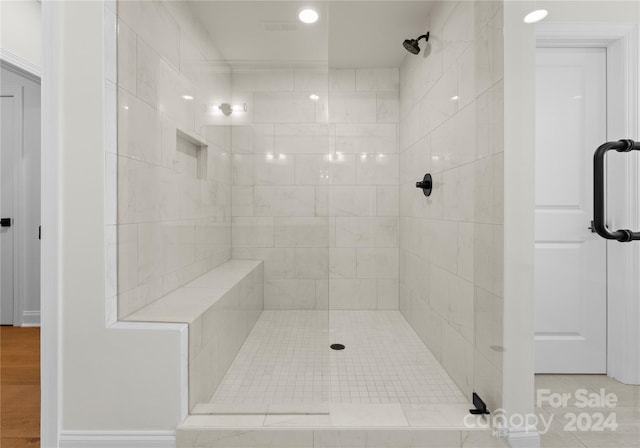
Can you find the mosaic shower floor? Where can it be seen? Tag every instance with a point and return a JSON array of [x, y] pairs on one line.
[[286, 360]]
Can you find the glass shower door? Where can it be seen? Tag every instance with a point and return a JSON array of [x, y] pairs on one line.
[[267, 119]]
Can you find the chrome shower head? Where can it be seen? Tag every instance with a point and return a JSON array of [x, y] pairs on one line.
[[412, 46]]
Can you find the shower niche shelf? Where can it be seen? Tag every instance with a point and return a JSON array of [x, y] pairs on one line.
[[192, 151]]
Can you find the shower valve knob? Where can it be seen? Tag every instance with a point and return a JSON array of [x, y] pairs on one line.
[[426, 184]]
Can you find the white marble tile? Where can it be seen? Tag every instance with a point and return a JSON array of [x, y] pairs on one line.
[[415, 161], [457, 358], [454, 142], [488, 257], [252, 80], [366, 232], [284, 201], [243, 169], [342, 80], [283, 108], [312, 80], [111, 260], [483, 191], [111, 118], [377, 80], [466, 247], [138, 129], [151, 192], [278, 262], [111, 189], [387, 201], [311, 169], [342, 262], [352, 108], [490, 121], [301, 138], [110, 45], [353, 294], [342, 169], [312, 263], [378, 169], [244, 439], [153, 23], [377, 262], [458, 193], [440, 103], [488, 326], [367, 138], [339, 439], [252, 232], [352, 201], [467, 76], [288, 294], [458, 32], [439, 243], [126, 57], [388, 108], [388, 294], [242, 201], [383, 415], [252, 139], [437, 415], [301, 232]]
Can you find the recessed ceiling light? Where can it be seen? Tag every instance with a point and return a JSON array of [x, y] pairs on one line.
[[308, 15], [314, 97], [536, 16], [187, 97]]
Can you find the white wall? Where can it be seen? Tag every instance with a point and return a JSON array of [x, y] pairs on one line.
[[29, 194], [109, 378], [20, 30]]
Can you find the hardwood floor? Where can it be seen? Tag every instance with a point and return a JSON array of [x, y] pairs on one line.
[[19, 387]]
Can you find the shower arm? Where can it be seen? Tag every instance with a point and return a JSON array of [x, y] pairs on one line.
[[622, 235], [424, 36]]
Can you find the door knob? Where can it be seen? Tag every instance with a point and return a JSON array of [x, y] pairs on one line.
[[5, 222]]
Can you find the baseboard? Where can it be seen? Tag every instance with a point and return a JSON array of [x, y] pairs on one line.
[[524, 439], [117, 439], [31, 319]]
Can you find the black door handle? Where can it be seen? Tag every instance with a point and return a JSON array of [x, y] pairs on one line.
[[622, 235], [5, 222]]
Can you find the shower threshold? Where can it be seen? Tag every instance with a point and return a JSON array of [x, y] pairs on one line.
[[288, 388]]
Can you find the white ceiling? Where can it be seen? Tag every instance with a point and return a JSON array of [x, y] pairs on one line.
[[360, 34]]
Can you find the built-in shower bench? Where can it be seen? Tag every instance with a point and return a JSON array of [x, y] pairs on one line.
[[220, 307]]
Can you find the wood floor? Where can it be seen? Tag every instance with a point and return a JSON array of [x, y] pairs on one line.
[[19, 387]]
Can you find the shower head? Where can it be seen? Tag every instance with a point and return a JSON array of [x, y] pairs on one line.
[[411, 45]]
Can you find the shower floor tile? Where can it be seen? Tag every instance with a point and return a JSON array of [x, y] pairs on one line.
[[286, 360]]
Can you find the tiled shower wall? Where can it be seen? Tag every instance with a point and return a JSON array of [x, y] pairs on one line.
[[451, 243], [315, 185], [174, 207]]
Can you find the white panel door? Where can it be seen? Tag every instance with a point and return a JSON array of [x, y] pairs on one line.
[[570, 265], [7, 163]]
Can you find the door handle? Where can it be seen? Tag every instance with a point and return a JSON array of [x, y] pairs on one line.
[[622, 235], [5, 222]]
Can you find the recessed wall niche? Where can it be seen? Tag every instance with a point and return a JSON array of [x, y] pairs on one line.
[[192, 154]]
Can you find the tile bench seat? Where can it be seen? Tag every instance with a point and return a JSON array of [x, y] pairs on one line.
[[220, 307]]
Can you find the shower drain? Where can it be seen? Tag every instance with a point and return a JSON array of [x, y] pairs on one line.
[[337, 347]]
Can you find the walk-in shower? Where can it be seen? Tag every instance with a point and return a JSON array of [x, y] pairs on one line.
[[320, 288]]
